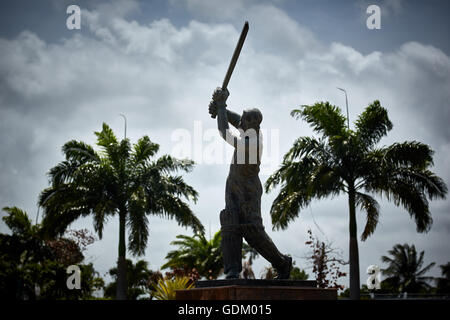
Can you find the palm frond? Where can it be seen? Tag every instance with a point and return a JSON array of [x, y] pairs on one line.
[[372, 209], [17, 220], [175, 185], [305, 146], [118, 155], [144, 149], [79, 152], [61, 206], [404, 178], [324, 181], [372, 124], [323, 117], [401, 192], [63, 172], [167, 164], [138, 227], [301, 181], [102, 209], [286, 207], [172, 207], [106, 138], [408, 154]]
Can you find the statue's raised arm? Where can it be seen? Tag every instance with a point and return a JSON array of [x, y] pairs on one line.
[[217, 106]]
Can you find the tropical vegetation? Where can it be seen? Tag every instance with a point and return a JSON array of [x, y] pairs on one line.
[[406, 271], [33, 267], [348, 161], [120, 180]]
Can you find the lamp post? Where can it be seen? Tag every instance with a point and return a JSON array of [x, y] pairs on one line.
[[124, 118], [346, 104]]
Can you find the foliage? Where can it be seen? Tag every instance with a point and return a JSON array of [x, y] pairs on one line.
[[197, 252], [55, 275], [165, 289], [298, 274], [325, 262], [139, 280], [119, 180], [204, 256], [34, 267], [348, 161], [270, 273], [404, 271], [69, 250]]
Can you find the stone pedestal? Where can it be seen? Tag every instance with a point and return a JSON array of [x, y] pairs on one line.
[[241, 289]]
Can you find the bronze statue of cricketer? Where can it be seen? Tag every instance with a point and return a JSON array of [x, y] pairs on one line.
[[241, 217]]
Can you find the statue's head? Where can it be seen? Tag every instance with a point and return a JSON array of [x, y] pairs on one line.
[[251, 118]]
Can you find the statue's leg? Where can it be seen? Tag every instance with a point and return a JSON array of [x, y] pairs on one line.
[[231, 244], [257, 238]]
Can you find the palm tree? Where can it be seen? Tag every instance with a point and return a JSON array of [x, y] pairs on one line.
[[205, 256], [117, 180], [404, 269], [347, 161], [21, 255], [138, 276], [197, 252]]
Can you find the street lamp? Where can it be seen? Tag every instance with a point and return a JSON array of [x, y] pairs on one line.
[[346, 104], [124, 118]]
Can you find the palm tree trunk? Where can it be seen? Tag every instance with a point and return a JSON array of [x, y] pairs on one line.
[[121, 293], [354, 255]]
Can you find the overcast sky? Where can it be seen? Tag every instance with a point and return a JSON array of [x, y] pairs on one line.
[[158, 62]]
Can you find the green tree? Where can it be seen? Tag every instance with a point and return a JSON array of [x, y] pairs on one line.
[[138, 276], [404, 271], [118, 180], [197, 252], [298, 274], [32, 267], [20, 256], [348, 161], [204, 256]]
